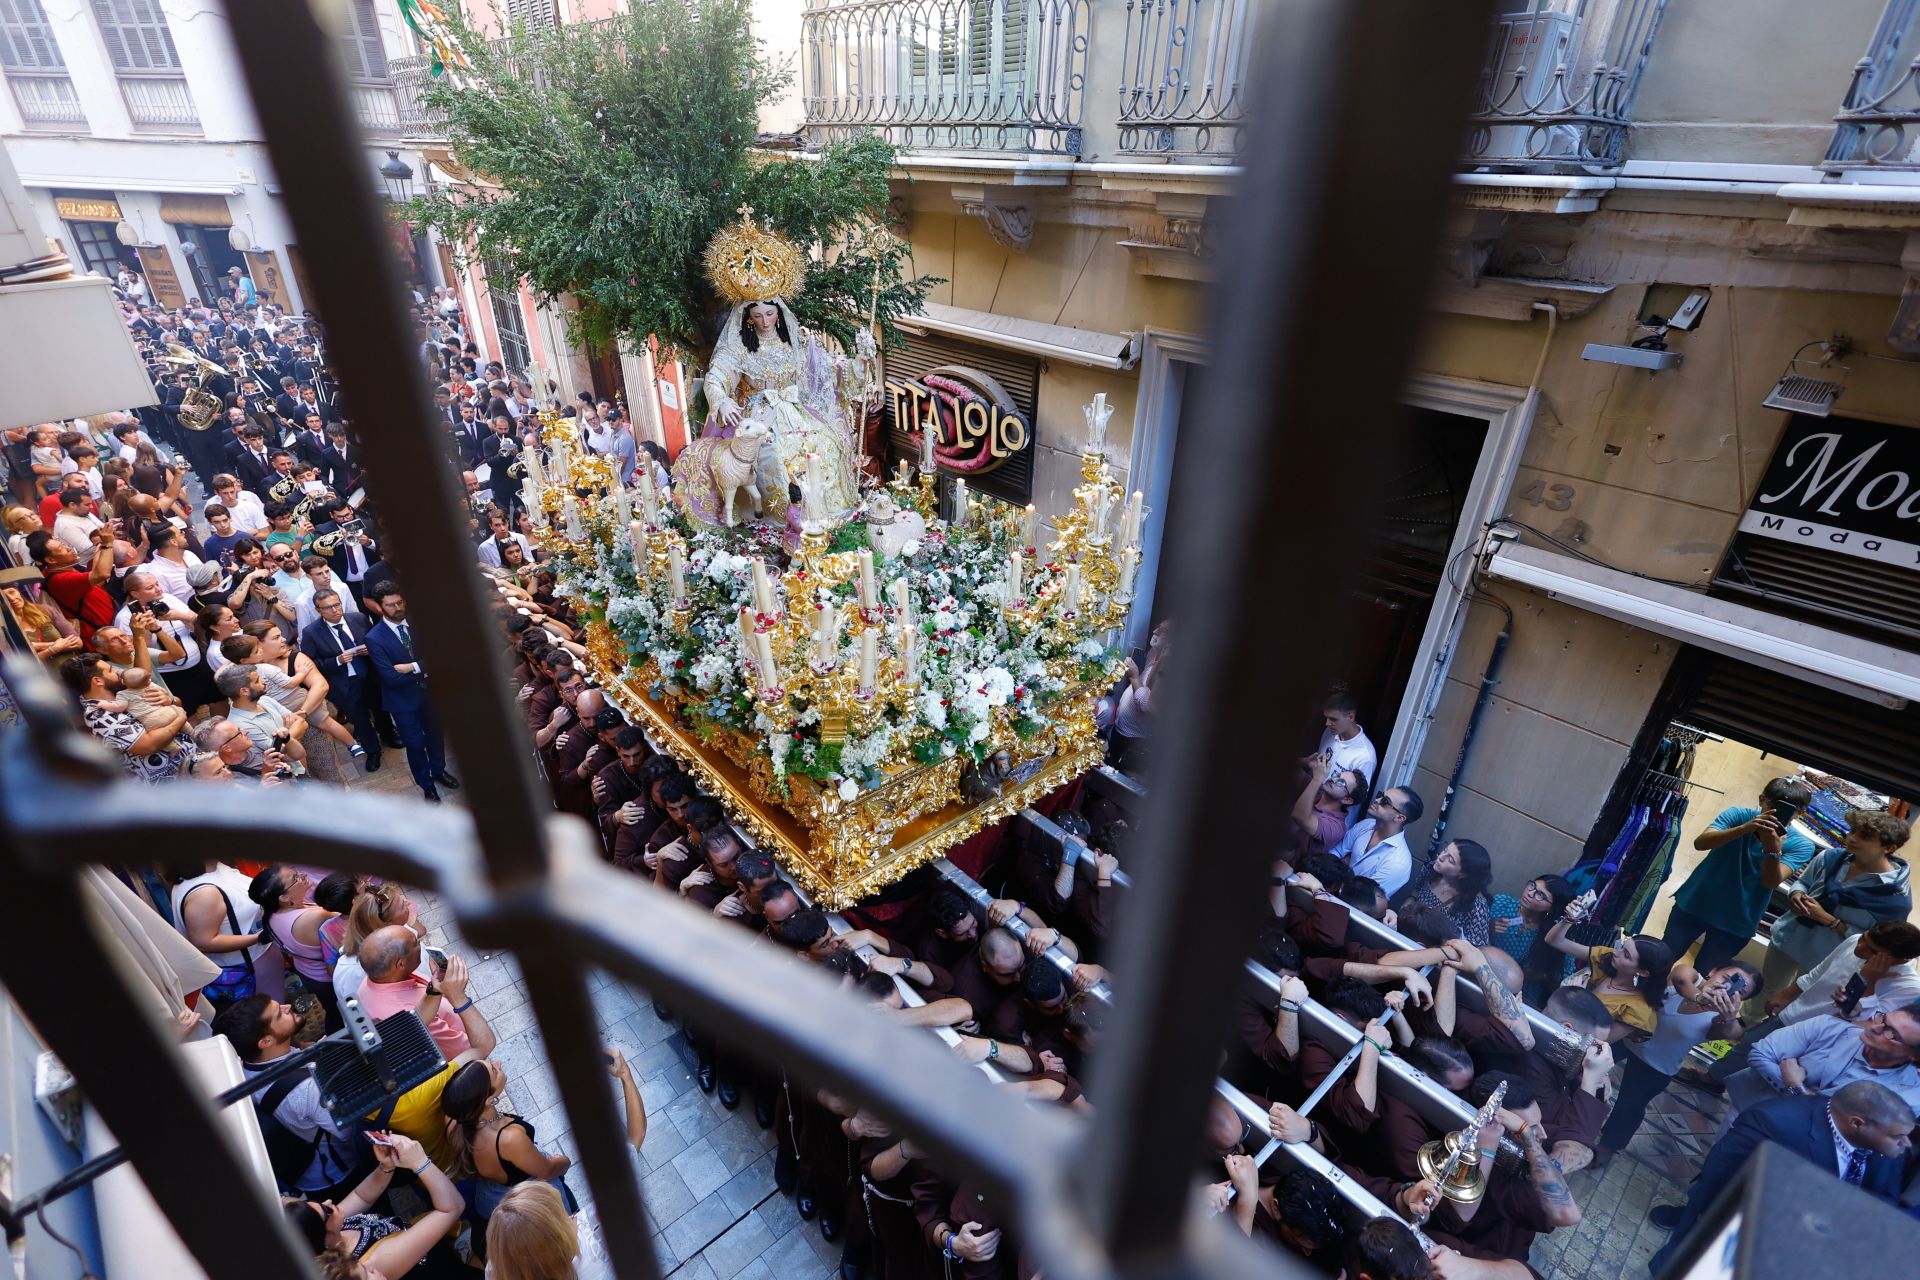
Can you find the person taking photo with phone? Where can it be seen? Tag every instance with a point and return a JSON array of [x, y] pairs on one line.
[[1749, 851]]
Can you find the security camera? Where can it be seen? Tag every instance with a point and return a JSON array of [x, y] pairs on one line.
[[1687, 315]]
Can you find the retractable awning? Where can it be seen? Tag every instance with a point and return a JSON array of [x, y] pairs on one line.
[[1087, 347], [1831, 659]]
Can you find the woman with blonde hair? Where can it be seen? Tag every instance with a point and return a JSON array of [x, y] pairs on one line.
[[373, 908], [19, 521], [41, 627], [531, 1237]]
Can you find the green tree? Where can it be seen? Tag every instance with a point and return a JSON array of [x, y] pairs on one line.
[[606, 155]]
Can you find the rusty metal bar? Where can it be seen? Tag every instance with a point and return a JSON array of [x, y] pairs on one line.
[[327, 181], [126, 1057], [1300, 346]]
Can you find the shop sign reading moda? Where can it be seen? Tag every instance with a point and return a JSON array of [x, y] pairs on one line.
[[1847, 486]]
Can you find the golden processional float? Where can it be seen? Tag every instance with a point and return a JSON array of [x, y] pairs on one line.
[[865, 688]]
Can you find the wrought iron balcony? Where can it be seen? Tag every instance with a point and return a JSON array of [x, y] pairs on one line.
[[46, 101], [410, 77], [1878, 118], [1183, 73], [161, 103], [947, 75], [1556, 92]]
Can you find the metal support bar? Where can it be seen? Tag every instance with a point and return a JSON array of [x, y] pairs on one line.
[[1054, 836], [1376, 934], [1310, 274], [1437, 1105], [1016, 926], [1358, 1198]]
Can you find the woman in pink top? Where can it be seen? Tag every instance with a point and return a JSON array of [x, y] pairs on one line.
[[286, 895]]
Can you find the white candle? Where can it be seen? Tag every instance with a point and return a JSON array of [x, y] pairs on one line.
[[637, 539], [869, 594], [903, 473], [650, 504], [762, 589], [926, 450], [1033, 528], [570, 513], [826, 640], [1129, 565], [535, 476], [1013, 577], [903, 604], [676, 571], [1130, 527], [763, 649], [910, 657], [869, 659], [622, 508], [960, 502], [529, 496], [1070, 590]]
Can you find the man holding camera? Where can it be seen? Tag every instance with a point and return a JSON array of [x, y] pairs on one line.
[[271, 726], [1749, 852]]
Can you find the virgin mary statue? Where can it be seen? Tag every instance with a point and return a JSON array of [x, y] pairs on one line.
[[767, 369]]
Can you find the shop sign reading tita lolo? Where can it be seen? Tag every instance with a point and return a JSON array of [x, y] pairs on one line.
[[975, 425], [1846, 486]]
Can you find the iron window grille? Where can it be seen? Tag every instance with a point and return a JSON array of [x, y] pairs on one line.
[[1106, 1200]]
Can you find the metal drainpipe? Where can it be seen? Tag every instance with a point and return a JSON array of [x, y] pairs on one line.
[[1488, 679]]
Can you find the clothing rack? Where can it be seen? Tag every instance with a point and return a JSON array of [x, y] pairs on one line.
[[1676, 778], [1697, 735]]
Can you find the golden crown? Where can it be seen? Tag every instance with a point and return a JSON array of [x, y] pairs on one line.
[[750, 262]]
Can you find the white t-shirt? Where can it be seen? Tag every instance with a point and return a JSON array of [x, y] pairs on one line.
[[173, 577], [1354, 753], [181, 631], [76, 532]]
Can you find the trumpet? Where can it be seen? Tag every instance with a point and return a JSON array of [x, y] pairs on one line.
[[199, 408]]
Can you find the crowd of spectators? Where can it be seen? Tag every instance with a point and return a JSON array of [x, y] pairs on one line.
[[218, 605]]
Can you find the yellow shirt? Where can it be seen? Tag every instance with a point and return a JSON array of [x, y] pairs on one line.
[[1629, 1007], [418, 1115]]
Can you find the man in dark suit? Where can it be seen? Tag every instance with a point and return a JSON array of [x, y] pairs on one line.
[[469, 434], [341, 461], [287, 403], [337, 643], [310, 442], [250, 458], [403, 688], [1862, 1135]]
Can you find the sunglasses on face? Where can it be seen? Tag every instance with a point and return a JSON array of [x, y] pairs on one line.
[[1385, 803]]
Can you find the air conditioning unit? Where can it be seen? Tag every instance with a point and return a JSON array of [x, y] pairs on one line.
[[1531, 46]]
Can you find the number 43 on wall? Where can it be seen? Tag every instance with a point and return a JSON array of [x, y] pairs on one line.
[[1554, 497]]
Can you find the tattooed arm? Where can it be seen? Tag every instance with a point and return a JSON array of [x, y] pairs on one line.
[[1572, 1156], [1549, 1180], [1502, 1005]]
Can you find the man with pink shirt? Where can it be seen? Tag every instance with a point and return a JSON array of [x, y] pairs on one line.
[[390, 956]]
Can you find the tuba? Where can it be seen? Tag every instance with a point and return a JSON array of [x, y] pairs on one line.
[[199, 408]]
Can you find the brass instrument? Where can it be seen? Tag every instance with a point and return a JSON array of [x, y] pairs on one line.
[[283, 489], [1452, 1162], [199, 408], [329, 544]]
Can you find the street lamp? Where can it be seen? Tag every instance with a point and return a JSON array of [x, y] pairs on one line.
[[398, 175]]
